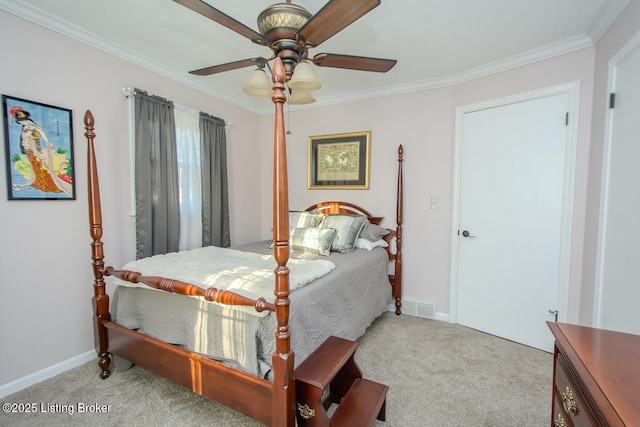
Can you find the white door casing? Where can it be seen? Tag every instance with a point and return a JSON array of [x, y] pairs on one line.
[[492, 279]]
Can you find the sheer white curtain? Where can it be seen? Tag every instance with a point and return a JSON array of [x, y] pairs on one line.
[[188, 141]]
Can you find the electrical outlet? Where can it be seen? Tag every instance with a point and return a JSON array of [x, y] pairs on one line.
[[434, 203]]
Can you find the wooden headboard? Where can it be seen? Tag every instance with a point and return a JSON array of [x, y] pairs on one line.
[[335, 207]]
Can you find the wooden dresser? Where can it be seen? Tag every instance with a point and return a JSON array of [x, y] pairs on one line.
[[596, 377]]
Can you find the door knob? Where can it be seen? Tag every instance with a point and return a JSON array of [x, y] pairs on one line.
[[466, 233]]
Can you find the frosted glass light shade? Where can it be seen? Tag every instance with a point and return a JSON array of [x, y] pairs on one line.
[[304, 78], [258, 84], [300, 97]]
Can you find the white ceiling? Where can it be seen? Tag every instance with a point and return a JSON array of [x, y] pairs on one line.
[[436, 42]]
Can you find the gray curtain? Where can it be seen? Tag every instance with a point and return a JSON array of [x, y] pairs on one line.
[[156, 176], [215, 195]]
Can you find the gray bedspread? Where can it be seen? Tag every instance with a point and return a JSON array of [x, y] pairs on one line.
[[343, 303]]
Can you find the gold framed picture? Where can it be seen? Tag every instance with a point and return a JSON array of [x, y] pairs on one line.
[[340, 161]]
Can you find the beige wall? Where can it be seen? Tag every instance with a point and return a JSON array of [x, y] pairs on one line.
[[424, 122]]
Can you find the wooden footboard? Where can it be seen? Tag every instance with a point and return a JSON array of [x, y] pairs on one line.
[[238, 390], [184, 288]]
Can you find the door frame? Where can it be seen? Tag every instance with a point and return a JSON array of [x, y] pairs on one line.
[[614, 62], [572, 90]]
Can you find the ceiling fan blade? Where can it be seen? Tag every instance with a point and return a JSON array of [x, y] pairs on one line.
[[333, 17], [351, 62], [228, 66], [215, 15]]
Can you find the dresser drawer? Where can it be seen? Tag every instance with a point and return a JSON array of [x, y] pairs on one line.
[[569, 397]]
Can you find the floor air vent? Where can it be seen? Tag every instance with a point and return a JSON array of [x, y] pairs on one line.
[[425, 310], [418, 309]]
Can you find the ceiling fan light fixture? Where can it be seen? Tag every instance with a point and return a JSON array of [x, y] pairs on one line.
[[289, 31], [258, 84], [304, 78], [300, 97]]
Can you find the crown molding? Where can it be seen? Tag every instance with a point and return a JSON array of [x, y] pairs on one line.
[[608, 13], [516, 61], [70, 30]]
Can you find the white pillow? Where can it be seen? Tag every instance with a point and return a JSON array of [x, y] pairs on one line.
[[369, 245]]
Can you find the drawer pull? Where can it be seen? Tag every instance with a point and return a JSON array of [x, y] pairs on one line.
[[306, 412], [569, 402], [559, 421]]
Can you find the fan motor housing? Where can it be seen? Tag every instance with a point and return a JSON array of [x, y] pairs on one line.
[[279, 24], [282, 21]]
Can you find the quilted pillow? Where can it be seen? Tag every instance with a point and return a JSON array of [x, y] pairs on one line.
[[312, 240], [347, 228]]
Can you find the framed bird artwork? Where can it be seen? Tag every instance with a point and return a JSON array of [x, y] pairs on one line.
[[39, 150]]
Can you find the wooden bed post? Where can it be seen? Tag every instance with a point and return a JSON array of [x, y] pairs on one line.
[[397, 288], [283, 359], [100, 300]]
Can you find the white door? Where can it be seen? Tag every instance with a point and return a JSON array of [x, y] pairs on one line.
[[619, 290], [511, 192]]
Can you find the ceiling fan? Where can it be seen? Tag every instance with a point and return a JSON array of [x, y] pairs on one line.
[[290, 30]]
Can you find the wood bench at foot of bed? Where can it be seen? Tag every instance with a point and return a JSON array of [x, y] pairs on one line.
[[331, 375]]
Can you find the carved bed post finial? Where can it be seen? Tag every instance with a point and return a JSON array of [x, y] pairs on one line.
[[100, 300], [283, 358], [397, 289]]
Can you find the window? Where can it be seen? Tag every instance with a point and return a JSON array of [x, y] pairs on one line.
[[189, 177]]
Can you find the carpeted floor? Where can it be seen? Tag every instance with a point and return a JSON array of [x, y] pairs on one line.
[[439, 374]]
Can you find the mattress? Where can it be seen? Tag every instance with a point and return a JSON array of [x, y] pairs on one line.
[[343, 303]]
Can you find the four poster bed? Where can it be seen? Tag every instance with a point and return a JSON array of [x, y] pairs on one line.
[[244, 357]]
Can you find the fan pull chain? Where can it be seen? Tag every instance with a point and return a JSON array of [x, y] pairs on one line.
[[288, 132]]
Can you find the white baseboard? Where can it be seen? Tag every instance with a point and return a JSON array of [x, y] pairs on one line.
[[442, 316], [51, 371]]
